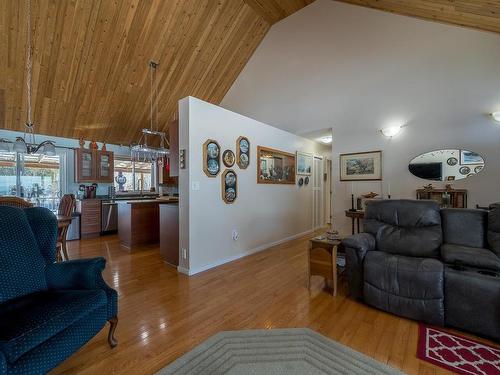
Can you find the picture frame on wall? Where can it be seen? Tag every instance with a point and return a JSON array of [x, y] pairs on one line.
[[229, 186], [211, 158], [361, 166], [243, 152], [469, 157], [304, 163], [275, 166]]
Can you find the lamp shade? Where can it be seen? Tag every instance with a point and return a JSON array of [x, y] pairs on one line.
[[20, 146], [49, 149], [4, 145]]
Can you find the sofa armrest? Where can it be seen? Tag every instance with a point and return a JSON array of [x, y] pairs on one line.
[[81, 274], [356, 247], [3, 364]]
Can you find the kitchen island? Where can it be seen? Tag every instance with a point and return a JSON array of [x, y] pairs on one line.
[[139, 221]]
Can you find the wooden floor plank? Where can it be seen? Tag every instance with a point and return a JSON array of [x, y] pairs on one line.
[[164, 314]]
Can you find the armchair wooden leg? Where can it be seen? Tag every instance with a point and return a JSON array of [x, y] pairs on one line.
[[113, 322]]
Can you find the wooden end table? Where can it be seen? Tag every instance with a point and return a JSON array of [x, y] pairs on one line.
[[355, 215], [322, 260]]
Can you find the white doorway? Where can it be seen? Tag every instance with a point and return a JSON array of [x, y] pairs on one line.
[[318, 195]]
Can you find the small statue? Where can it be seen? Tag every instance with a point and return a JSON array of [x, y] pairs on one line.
[[82, 142], [448, 187], [369, 195], [103, 148], [93, 145]]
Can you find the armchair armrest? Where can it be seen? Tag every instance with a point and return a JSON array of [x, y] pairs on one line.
[[361, 243], [356, 247], [81, 274]]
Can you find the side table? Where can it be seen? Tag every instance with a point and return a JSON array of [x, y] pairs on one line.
[[322, 260]]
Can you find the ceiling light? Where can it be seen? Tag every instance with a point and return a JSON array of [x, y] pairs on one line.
[[4, 145], [496, 116], [391, 131], [326, 139], [142, 151]]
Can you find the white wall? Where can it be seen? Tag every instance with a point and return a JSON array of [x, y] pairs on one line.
[[358, 70], [262, 214]]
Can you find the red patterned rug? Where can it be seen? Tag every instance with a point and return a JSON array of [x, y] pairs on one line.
[[456, 353]]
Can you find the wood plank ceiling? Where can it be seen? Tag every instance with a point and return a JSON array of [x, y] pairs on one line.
[[90, 63], [478, 14]]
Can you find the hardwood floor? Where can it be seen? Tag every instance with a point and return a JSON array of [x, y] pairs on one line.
[[164, 314]]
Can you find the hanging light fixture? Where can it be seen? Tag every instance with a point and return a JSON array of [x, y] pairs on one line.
[[27, 144], [142, 151]]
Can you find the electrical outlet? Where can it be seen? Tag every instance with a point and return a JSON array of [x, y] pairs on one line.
[[184, 254], [235, 235]]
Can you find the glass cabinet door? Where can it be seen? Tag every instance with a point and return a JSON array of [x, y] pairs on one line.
[[87, 165], [104, 165], [105, 168]]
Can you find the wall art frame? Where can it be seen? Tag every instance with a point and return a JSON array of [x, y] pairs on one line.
[[243, 152], [211, 158], [280, 166], [361, 166], [229, 186]]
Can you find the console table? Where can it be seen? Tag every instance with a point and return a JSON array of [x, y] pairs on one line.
[[454, 198], [355, 216]]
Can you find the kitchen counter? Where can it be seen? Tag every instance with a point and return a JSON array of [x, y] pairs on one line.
[[156, 201]]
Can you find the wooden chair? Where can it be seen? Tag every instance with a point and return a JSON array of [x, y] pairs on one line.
[[14, 202], [66, 208]]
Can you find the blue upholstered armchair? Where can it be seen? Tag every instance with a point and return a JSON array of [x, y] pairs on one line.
[[48, 310]]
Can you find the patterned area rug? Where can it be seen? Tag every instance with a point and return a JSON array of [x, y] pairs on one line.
[[274, 352], [456, 353]]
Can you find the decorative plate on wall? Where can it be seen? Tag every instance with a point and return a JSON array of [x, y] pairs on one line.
[[464, 170], [243, 152], [211, 158], [228, 158], [452, 161], [229, 186], [306, 180], [301, 181]]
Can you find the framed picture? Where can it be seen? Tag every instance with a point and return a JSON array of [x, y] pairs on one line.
[[229, 186], [304, 163], [228, 158], [243, 152], [211, 158], [275, 166], [361, 166], [469, 157]]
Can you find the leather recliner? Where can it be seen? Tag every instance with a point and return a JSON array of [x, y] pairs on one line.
[[439, 266]]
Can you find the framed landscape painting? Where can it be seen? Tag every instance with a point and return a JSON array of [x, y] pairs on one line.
[[361, 166], [304, 163]]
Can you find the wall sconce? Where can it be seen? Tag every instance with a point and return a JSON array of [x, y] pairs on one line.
[[496, 116], [391, 131]]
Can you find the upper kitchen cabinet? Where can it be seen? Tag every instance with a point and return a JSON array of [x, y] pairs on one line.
[[93, 166], [105, 166]]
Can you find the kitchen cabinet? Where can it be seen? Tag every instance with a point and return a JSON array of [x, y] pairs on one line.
[[94, 166], [169, 233], [90, 217]]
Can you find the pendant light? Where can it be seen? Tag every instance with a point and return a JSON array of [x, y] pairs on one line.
[[27, 144], [142, 151]]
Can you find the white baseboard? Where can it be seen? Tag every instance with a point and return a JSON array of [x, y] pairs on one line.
[[194, 271]]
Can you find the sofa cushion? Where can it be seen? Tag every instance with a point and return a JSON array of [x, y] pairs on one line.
[[494, 228], [33, 319], [21, 264], [405, 227], [406, 286], [466, 227], [470, 256]]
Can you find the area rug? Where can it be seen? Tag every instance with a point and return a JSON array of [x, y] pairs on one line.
[[455, 353], [295, 351]]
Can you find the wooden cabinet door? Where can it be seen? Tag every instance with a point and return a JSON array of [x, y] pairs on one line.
[[105, 166], [85, 163]]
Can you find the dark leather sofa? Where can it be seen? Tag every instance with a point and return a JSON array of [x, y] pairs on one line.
[[439, 266]]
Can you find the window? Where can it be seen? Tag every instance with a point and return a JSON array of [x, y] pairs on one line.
[[132, 176], [34, 177]]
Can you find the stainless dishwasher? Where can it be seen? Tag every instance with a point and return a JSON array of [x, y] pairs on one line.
[[109, 217]]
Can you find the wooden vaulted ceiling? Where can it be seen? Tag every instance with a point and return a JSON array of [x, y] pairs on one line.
[[478, 14], [90, 67]]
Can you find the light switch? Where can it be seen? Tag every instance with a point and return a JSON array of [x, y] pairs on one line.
[[195, 186]]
